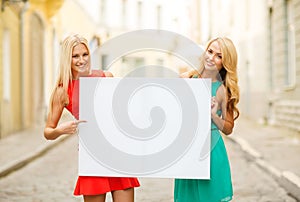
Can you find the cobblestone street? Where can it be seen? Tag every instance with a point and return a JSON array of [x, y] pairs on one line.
[[52, 178]]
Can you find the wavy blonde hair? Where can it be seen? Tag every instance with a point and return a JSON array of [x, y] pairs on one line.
[[228, 74], [65, 76]]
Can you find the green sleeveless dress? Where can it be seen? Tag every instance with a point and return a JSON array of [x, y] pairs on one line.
[[219, 187]]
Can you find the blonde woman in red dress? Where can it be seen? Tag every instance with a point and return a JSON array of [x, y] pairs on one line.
[[75, 63]]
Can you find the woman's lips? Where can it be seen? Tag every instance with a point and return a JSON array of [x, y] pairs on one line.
[[83, 67], [209, 64]]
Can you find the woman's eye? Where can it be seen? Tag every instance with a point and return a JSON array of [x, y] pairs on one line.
[[219, 56], [210, 51]]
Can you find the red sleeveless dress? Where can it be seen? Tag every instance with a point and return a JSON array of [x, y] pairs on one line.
[[89, 185]]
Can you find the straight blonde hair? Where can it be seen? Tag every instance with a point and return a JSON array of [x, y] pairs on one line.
[[60, 90]]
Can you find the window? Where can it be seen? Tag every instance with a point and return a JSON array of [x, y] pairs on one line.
[[102, 11], [124, 13], [290, 69], [271, 62], [6, 65], [139, 14], [104, 61], [158, 16]]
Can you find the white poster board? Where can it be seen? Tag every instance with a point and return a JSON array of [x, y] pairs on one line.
[[145, 127]]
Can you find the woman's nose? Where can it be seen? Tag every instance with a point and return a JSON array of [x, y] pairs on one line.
[[211, 56], [81, 59]]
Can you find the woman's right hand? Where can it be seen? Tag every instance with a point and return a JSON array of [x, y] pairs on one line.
[[69, 127]]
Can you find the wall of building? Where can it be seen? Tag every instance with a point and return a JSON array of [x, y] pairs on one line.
[[36, 29], [285, 33], [261, 30], [239, 22], [267, 36], [10, 77]]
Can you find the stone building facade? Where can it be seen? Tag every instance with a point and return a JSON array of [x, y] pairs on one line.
[[30, 36], [267, 36], [284, 63]]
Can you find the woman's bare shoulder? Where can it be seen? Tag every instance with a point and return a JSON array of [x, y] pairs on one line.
[[60, 95], [101, 73], [189, 74]]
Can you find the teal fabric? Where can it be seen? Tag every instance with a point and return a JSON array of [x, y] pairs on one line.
[[219, 187], [214, 88]]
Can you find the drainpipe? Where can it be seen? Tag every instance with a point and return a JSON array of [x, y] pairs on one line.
[[22, 66]]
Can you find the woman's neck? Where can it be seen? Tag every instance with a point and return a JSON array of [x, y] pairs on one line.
[[210, 74], [76, 75]]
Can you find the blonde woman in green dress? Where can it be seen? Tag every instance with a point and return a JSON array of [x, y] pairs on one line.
[[218, 62]]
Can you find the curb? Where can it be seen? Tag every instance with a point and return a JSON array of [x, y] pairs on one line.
[[288, 180], [24, 160]]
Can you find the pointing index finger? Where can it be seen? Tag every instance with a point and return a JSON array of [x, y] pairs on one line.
[[80, 121]]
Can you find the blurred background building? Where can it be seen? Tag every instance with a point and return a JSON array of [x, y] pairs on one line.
[[266, 33]]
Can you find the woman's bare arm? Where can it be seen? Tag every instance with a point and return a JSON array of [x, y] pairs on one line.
[[225, 123], [52, 130]]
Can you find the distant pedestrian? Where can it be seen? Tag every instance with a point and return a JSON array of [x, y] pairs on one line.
[[75, 63], [219, 63]]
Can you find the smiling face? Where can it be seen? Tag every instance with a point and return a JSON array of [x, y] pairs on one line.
[[213, 57], [80, 61]]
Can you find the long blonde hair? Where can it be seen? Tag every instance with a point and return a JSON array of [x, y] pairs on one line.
[[228, 74], [60, 90]]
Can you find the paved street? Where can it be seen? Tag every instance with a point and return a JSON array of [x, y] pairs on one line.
[[250, 182], [52, 177]]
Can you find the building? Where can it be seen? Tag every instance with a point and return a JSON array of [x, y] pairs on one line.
[[284, 63], [31, 32], [122, 16], [22, 62], [267, 36]]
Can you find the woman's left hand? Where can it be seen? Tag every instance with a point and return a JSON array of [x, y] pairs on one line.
[[214, 106]]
